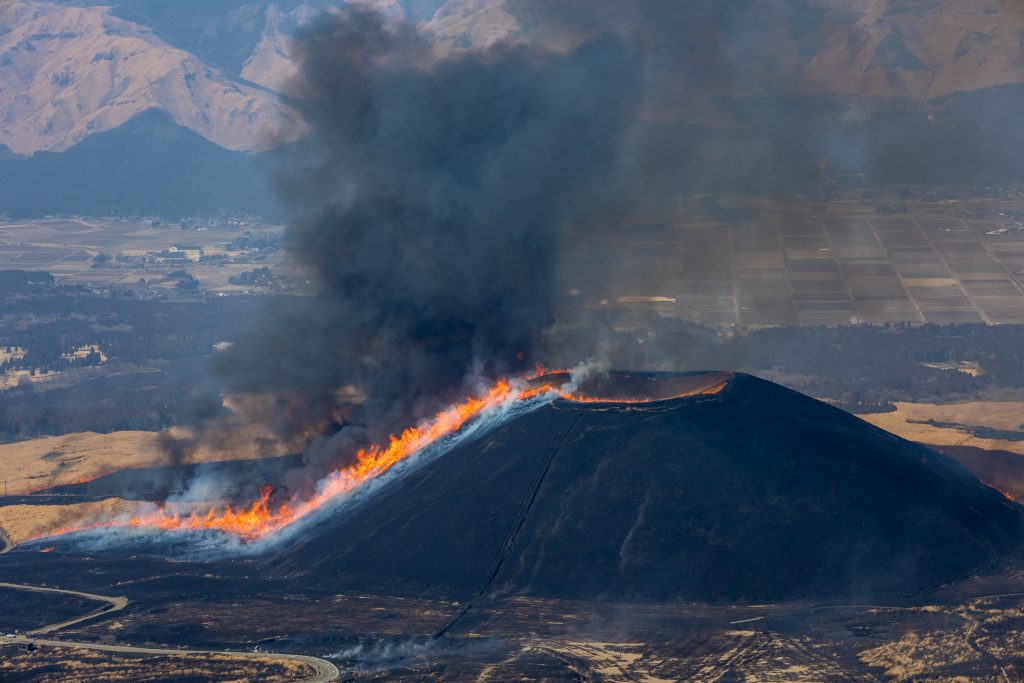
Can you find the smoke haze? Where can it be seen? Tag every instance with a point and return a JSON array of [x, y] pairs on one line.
[[441, 189], [431, 204]]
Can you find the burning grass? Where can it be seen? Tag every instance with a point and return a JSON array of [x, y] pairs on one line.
[[24, 522], [501, 399]]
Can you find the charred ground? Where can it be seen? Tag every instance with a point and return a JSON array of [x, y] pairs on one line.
[[742, 491], [755, 492], [661, 526]]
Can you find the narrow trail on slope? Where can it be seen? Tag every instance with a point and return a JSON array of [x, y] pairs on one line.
[[514, 531]]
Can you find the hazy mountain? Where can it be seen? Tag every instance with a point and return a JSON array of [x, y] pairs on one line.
[[912, 50], [863, 78], [148, 166], [916, 50], [68, 73]]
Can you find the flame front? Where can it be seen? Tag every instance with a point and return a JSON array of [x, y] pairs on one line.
[[261, 518]]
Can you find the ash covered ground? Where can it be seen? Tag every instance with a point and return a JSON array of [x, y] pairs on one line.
[[706, 537]]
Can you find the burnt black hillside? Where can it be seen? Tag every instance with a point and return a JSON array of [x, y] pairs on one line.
[[754, 493]]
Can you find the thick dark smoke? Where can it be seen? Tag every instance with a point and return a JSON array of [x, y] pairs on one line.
[[432, 201], [440, 192]]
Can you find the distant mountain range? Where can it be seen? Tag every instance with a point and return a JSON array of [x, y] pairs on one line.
[[71, 70]]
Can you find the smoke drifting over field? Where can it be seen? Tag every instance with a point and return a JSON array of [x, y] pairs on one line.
[[439, 190], [432, 201]]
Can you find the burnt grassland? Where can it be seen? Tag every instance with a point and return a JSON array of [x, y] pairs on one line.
[[973, 629], [384, 638], [26, 610]]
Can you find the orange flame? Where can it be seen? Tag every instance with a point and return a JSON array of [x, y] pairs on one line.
[[1006, 494], [260, 519]]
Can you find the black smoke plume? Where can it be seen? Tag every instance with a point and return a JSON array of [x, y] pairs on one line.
[[432, 200], [439, 190]]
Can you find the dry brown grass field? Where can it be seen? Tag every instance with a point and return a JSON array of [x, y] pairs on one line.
[[39, 464], [909, 420], [28, 467], [85, 666], [24, 522]]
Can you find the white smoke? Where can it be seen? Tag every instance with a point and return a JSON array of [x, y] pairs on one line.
[[373, 656], [586, 371]]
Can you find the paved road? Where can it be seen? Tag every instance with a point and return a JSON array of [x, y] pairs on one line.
[[324, 671], [114, 604]]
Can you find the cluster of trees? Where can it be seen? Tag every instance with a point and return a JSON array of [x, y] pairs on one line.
[[266, 279], [859, 367], [95, 405], [15, 282], [50, 321], [876, 365], [186, 282], [35, 366], [259, 277], [865, 364], [257, 241]]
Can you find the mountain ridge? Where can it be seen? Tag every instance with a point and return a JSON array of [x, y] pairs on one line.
[[69, 73], [757, 96], [75, 69]]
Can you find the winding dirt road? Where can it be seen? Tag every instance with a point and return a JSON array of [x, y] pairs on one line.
[[114, 604], [324, 671]]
